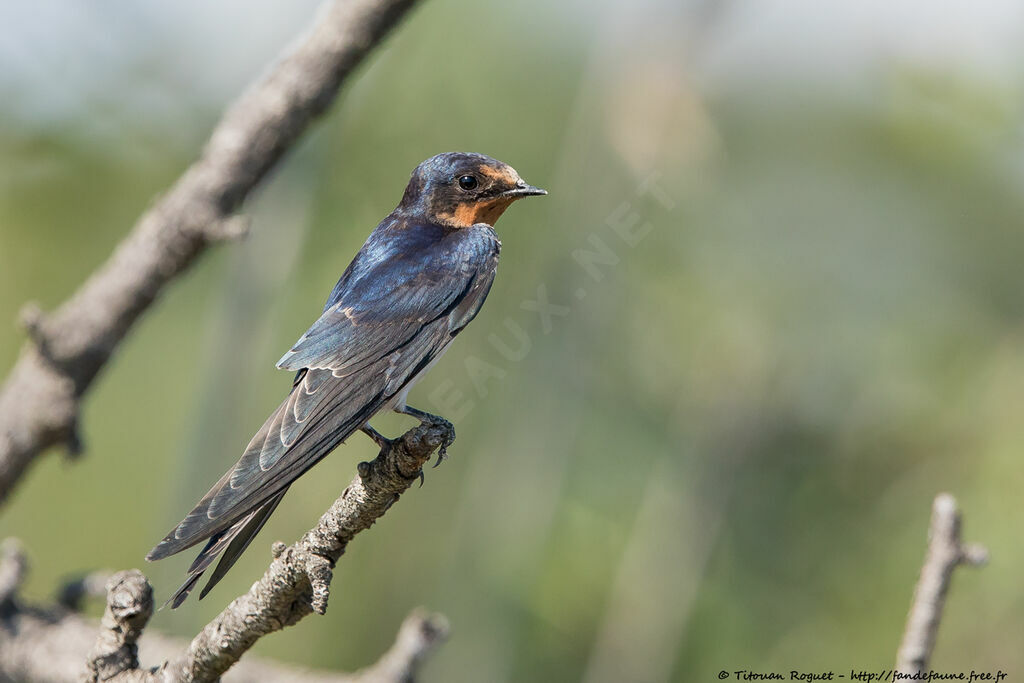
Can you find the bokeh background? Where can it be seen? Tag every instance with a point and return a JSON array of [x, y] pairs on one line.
[[718, 452]]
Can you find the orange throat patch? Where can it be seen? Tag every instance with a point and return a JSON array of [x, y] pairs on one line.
[[471, 213]]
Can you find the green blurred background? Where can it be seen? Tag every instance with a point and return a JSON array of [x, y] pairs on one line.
[[719, 453]]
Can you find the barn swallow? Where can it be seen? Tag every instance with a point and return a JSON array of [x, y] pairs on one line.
[[419, 279]]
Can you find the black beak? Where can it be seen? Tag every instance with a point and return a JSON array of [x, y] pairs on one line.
[[523, 190]]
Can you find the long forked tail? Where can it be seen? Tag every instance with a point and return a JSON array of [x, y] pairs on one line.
[[232, 542]]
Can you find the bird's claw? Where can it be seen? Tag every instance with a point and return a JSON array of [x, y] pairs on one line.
[[426, 418], [449, 439]]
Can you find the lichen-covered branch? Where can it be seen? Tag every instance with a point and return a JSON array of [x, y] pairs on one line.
[[40, 399], [13, 567], [129, 606], [946, 552], [49, 645], [296, 584]]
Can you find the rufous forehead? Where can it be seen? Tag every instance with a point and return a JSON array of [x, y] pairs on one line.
[[505, 175]]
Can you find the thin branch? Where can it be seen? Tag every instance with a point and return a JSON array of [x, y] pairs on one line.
[[129, 606], [49, 645], [13, 569], [40, 399], [946, 552], [297, 583]]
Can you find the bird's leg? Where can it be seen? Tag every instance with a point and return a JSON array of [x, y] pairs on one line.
[[421, 415], [428, 418], [382, 441]]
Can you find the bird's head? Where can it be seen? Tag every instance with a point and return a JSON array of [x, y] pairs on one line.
[[460, 189]]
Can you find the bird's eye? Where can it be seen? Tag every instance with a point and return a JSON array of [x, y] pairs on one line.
[[467, 182]]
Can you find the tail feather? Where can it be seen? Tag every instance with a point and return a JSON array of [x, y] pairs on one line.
[[182, 593], [171, 544], [241, 542], [235, 539]]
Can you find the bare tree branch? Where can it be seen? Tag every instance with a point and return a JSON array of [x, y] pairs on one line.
[[49, 645], [297, 583], [129, 606], [13, 568], [40, 400], [946, 552]]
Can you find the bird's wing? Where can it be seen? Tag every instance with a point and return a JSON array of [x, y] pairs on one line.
[[386, 326]]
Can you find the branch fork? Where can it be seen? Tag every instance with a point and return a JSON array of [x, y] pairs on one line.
[[40, 399], [297, 583]]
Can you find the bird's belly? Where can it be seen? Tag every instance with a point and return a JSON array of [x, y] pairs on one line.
[[397, 402]]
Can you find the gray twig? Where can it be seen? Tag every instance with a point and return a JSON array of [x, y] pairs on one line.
[[116, 652], [13, 569], [946, 552], [40, 399], [49, 645], [297, 583]]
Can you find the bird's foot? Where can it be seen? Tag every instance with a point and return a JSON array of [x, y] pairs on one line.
[[449, 439], [385, 444], [437, 421]]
